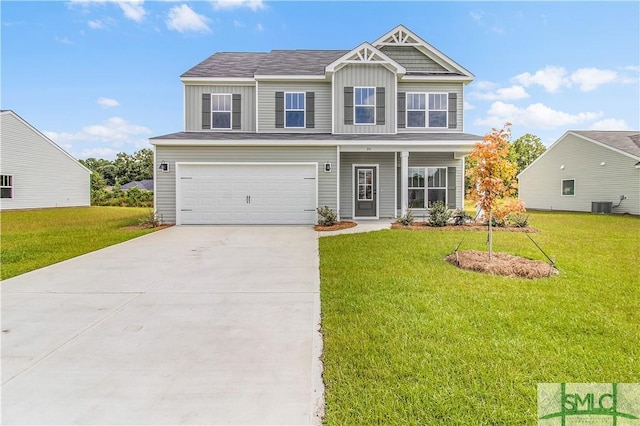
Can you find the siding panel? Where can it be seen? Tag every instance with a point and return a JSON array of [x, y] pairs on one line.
[[456, 88], [193, 105], [357, 75], [24, 152], [322, 105], [166, 182], [540, 185], [411, 58]]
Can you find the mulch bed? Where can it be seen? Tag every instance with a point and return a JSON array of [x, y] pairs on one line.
[[501, 264], [338, 226], [424, 226]]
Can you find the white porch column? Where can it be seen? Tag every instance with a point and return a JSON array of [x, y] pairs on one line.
[[404, 181]]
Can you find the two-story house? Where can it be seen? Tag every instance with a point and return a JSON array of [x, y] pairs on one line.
[[269, 137]]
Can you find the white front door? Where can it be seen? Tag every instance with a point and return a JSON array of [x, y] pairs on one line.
[[238, 194]]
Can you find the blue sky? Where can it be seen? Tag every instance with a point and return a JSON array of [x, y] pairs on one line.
[[101, 77]]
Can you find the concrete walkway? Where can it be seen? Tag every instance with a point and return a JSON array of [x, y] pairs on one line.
[[363, 226], [188, 325]]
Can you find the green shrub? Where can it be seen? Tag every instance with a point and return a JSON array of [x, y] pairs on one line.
[[150, 220], [326, 216], [519, 220], [461, 217], [439, 214], [407, 219]]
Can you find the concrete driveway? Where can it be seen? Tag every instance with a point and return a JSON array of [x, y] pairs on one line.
[[188, 325]]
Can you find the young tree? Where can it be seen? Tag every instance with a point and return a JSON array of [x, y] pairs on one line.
[[492, 177], [524, 150]]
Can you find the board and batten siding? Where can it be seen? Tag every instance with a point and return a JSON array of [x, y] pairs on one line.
[[267, 105], [438, 159], [386, 181], [193, 105], [412, 59], [44, 175], [165, 195], [415, 87], [540, 184], [371, 75]]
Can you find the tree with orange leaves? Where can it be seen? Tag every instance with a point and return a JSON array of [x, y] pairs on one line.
[[493, 177]]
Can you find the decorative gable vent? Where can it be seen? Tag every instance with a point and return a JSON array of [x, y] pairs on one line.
[[400, 37], [366, 54]]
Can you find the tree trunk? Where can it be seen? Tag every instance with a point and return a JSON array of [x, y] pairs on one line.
[[490, 238]]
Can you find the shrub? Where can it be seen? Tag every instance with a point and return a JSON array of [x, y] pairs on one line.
[[326, 216], [519, 220], [150, 220], [461, 217], [406, 219], [439, 214]]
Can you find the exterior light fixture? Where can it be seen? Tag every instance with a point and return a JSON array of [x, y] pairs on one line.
[[327, 167], [603, 163], [562, 167], [164, 166]]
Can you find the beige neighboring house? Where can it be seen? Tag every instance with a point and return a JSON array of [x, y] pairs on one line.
[[35, 172], [589, 171]]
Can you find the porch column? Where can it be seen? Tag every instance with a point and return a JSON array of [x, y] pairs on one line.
[[404, 181]]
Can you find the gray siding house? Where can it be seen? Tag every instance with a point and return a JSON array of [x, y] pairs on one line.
[[269, 137], [35, 172], [585, 167]]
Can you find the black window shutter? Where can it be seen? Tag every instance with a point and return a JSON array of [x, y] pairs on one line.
[[348, 105], [451, 187], [453, 110], [279, 110], [206, 111], [380, 105], [310, 107], [236, 118], [402, 110]]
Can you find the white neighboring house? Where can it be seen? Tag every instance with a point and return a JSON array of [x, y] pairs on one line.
[[35, 172], [586, 171]]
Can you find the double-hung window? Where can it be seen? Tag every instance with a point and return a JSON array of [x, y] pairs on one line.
[[438, 103], [294, 109], [220, 111], [6, 186], [427, 185], [365, 105], [568, 187], [416, 109]]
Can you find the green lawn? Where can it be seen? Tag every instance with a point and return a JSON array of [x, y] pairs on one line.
[[32, 239], [410, 339]]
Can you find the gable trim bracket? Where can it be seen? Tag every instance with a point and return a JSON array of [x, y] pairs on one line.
[[368, 55]]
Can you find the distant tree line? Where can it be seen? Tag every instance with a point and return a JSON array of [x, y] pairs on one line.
[[124, 169]]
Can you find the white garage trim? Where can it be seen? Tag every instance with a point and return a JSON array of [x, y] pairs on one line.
[[181, 210]]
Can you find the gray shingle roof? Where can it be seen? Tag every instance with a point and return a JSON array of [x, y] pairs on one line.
[[228, 64], [626, 141], [146, 184], [297, 62], [238, 136]]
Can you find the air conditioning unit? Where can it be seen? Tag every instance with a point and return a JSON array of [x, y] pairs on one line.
[[601, 206]]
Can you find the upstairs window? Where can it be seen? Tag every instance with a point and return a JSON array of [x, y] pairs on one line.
[[568, 187], [438, 109], [294, 109], [6, 186], [365, 105], [416, 109], [220, 111]]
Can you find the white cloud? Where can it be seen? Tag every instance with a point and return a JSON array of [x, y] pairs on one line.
[[551, 78], [133, 9], [590, 78], [108, 103], [476, 16], [96, 24], [467, 106], [504, 94], [182, 19], [63, 40], [99, 152], [238, 24], [610, 124], [259, 27], [535, 115], [116, 131], [254, 5]]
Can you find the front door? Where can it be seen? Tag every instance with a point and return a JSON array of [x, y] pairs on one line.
[[365, 195]]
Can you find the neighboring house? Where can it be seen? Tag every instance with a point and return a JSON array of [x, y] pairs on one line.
[[146, 185], [269, 137], [35, 172], [586, 171]]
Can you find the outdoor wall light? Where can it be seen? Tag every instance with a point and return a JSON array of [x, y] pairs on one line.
[[562, 167], [327, 167], [164, 166], [603, 163]]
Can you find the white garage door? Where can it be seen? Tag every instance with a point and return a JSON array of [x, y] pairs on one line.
[[226, 194]]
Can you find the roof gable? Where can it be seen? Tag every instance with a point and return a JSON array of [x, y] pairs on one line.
[[400, 36], [365, 54]]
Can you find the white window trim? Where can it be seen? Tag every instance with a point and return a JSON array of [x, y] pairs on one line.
[[10, 185], [425, 110], [446, 111], [230, 111], [374, 106], [427, 187], [562, 181], [304, 110]]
